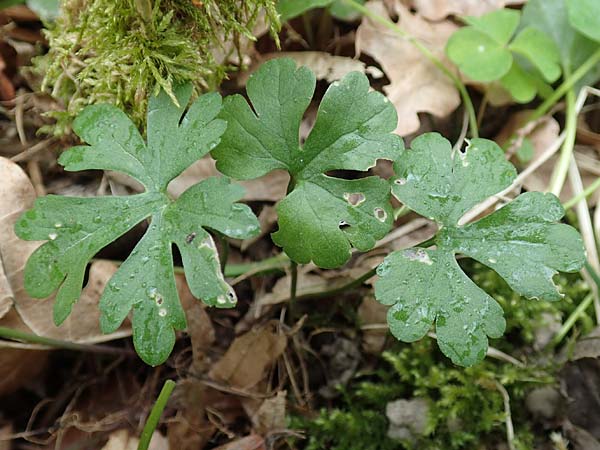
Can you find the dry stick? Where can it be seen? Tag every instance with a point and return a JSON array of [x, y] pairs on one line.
[[428, 54], [510, 429], [12, 334], [587, 230]]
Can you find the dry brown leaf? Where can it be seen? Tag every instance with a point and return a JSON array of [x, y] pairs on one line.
[[417, 85], [5, 431], [542, 135], [252, 442], [439, 9], [199, 326], [270, 415], [190, 429], [372, 315], [123, 440], [250, 355], [325, 65], [271, 187]]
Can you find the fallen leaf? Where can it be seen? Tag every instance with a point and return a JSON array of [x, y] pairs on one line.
[[543, 134], [416, 84], [270, 416], [5, 431], [325, 65], [439, 9], [246, 361], [190, 429], [372, 313], [271, 187], [252, 442], [123, 440]]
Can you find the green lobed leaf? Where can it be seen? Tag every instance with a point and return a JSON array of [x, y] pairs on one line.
[[584, 15], [322, 217], [521, 241], [77, 228]]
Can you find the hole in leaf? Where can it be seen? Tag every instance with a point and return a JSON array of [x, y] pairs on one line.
[[380, 214], [354, 199], [343, 224]]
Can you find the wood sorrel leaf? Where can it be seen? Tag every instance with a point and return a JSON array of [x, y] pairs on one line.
[[323, 216], [521, 241], [484, 52], [556, 19], [584, 15], [77, 228]]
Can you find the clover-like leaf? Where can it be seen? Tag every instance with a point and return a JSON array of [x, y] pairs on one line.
[[323, 216], [484, 52], [77, 228], [564, 22], [521, 241], [584, 15]]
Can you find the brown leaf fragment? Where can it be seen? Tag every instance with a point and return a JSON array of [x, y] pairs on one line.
[[123, 440], [250, 355], [5, 431], [270, 415], [252, 442], [439, 9], [417, 85], [373, 320]]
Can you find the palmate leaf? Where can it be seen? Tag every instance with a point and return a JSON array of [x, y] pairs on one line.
[[77, 228], [322, 217], [521, 241]]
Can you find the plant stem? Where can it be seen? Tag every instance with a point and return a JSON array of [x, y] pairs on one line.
[[428, 54], [566, 85], [17, 335], [584, 194], [560, 170], [155, 414], [571, 320], [276, 263], [401, 211]]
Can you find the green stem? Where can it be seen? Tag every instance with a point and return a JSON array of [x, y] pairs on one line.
[[17, 335], [566, 85], [560, 170], [571, 320], [155, 414], [593, 273], [583, 194], [428, 54]]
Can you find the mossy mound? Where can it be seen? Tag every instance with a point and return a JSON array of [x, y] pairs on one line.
[[116, 51]]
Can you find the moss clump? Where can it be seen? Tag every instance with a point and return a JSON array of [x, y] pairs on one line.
[[116, 51], [466, 406]]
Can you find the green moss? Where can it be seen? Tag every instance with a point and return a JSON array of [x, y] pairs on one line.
[[117, 51], [466, 407]]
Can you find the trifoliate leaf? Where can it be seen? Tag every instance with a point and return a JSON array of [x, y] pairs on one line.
[[540, 50], [584, 16], [77, 228], [553, 18], [521, 241], [484, 52], [480, 49], [322, 217]]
